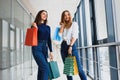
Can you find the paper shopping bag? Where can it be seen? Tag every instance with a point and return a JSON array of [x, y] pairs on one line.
[[70, 66], [54, 71], [56, 35], [31, 37], [75, 66]]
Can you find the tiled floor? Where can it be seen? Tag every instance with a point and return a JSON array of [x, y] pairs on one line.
[[19, 72], [25, 72], [57, 57], [62, 77]]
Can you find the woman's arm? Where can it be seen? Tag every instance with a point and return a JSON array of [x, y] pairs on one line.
[[61, 28], [50, 46], [74, 33], [34, 25], [74, 36], [72, 41], [49, 41]]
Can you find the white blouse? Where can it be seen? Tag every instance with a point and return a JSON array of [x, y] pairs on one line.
[[70, 33]]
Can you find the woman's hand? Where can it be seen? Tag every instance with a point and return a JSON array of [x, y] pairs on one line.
[[70, 50], [62, 27], [51, 56], [34, 24]]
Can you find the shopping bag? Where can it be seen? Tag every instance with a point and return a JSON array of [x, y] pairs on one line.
[[54, 71], [31, 37], [56, 34], [75, 66], [70, 66]]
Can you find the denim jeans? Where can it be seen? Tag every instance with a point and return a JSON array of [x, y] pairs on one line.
[[40, 54], [64, 54]]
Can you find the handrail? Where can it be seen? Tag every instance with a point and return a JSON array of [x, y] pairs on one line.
[[95, 57], [101, 45]]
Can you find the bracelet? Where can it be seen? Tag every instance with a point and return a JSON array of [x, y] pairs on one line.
[[70, 45]]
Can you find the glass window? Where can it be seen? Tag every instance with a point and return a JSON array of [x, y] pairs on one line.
[[100, 19], [103, 63], [117, 17], [5, 34], [103, 53], [12, 37], [17, 38], [89, 52], [12, 46]]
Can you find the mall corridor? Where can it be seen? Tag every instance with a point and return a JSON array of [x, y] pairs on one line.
[[98, 43]]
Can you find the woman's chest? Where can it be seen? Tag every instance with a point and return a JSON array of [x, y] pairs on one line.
[[43, 30]]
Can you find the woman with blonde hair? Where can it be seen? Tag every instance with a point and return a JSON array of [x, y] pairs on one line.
[[69, 33]]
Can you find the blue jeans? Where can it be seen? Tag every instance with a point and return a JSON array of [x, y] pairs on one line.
[[64, 54], [40, 54]]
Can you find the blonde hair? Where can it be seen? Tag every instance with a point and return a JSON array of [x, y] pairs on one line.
[[67, 24]]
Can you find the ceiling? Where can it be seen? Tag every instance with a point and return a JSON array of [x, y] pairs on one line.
[[53, 7]]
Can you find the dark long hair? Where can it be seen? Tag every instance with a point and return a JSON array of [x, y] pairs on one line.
[[38, 18]]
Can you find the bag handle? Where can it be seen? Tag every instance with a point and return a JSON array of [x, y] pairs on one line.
[[69, 55]]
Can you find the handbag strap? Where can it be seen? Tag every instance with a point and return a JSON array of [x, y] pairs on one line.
[[69, 55]]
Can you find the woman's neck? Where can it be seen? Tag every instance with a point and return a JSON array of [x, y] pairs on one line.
[[68, 25], [42, 21]]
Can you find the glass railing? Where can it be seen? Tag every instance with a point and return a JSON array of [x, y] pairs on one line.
[[101, 62]]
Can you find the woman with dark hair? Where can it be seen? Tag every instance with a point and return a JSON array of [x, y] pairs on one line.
[[69, 33], [40, 52]]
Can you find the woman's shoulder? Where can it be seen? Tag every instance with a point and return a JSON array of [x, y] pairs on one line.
[[47, 26], [74, 25], [74, 22]]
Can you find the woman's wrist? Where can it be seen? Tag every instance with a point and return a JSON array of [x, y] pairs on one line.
[[61, 30], [51, 51], [70, 45]]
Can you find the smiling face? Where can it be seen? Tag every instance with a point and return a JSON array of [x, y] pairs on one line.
[[44, 16], [41, 17], [66, 19], [67, 16]]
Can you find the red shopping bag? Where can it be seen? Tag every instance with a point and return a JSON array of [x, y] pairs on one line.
[[31, 37]]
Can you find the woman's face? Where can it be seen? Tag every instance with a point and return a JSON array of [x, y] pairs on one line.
[[44, 15], [66, 16]]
